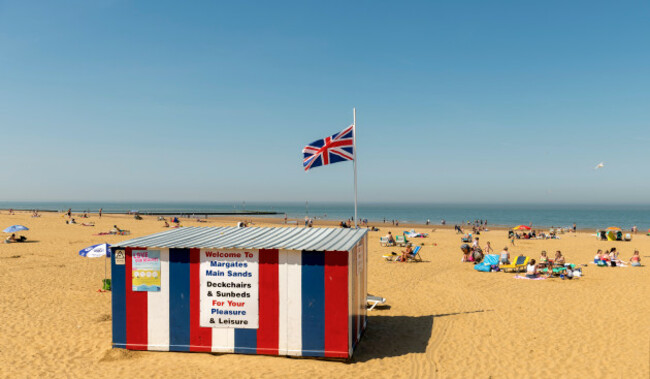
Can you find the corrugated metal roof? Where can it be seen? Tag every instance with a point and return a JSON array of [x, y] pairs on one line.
[[311, 239]]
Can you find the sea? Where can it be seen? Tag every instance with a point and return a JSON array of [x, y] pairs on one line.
[[540, 215]]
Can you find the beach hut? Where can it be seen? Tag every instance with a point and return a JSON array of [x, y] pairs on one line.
[[273, 291]]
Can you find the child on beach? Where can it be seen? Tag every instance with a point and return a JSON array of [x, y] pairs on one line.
[[488, 248], [605, 257], [599, 256], [635, 261]]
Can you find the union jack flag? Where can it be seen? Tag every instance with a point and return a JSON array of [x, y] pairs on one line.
[[336, 148]]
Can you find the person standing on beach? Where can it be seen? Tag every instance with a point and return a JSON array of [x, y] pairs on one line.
[[69, 212], [100, 212], [574, 227]]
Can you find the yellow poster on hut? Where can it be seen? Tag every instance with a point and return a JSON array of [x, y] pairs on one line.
[[145, 270]]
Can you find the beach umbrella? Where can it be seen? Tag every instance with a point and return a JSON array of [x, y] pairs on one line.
[[96, 251], [15, 228], [521, 227]]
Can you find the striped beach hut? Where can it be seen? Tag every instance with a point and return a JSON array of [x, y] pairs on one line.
[[273, 291]]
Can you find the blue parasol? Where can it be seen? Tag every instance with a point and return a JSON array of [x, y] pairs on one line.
[[15, 228], [96, 251]]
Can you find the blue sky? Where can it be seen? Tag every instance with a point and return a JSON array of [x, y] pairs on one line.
[[468, 101]]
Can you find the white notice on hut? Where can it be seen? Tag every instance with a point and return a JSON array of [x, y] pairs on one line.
[[229, 289]]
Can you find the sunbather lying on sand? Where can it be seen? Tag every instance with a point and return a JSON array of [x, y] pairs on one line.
[[12, 239]]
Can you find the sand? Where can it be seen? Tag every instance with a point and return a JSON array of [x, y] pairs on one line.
[[444, 319]]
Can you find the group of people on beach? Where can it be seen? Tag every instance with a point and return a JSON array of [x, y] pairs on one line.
[[394, 222], [559, 261], [475, 254], [611, 258]]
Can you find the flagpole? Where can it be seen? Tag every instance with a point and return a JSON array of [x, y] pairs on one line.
[[354, 143]]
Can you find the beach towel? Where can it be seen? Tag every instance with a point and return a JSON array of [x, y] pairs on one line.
[[527, 278], [606, 264], [489, 261]]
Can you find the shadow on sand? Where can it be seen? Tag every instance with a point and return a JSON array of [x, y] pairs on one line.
[[393, 336]]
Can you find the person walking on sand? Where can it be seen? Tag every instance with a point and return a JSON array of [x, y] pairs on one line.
[[488, 248], [100, 212]]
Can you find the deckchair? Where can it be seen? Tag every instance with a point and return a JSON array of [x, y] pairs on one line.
[[519, 264], [383, 241], [415, 255], [373, 301], [401, 240]]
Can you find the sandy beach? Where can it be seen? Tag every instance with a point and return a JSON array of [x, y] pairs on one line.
[[443, 318]]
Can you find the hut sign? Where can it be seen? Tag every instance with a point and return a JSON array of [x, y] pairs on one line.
[[229, 289]]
